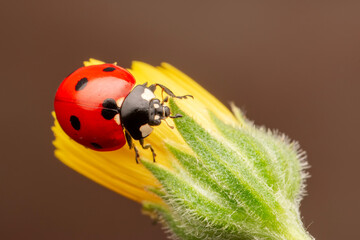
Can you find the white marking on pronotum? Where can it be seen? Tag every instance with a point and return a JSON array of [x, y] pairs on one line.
[[117, 119], [157, 117], [156, 105], [147, 94], [120, 101], [145, 130]]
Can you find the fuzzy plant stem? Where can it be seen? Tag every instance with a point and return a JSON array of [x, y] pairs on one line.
[[237, 183]]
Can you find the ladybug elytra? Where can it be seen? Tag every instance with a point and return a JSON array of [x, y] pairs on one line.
[[100, 107]]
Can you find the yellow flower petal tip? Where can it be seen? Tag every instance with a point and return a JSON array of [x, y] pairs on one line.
[[92, 61], [117, 170]]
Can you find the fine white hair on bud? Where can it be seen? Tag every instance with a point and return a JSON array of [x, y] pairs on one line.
[[238, 183]]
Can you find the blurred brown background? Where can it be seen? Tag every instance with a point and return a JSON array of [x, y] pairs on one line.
[[292, 65]]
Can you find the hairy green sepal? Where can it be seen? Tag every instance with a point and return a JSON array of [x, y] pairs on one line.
[[239, 183]]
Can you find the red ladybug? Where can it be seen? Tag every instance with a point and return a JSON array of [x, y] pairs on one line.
[[99, 107]]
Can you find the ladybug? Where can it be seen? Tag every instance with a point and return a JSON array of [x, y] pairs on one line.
[[100, 107]]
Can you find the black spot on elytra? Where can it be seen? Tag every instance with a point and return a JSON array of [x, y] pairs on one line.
[[110, 109], [81, 84], [75, 123], [109, 69], [95, 145]]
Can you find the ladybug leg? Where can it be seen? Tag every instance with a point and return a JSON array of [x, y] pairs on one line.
[[146, 146], [131, 145], [152, 87], [137, 155], [162, 95], [128, 139]]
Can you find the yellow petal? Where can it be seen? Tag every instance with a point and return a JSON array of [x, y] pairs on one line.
[[117, 170], [93, 61]]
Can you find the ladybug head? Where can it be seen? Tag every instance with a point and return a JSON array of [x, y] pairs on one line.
[[157, 112]]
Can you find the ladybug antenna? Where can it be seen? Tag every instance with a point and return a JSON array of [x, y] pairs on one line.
[[176, 116]]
